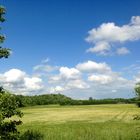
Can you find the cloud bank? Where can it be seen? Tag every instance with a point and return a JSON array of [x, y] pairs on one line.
[[19, 82], [88, 78]]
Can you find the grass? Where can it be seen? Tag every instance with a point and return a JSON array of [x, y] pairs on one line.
[[95, 122]]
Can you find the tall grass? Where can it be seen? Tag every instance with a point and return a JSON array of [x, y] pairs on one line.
[[104, 122], [87, 131]]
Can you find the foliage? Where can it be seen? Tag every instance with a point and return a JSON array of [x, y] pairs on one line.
[[8, 109], [2, 11], [137, 90], [41, 99], [31, 135], [4, 52], [47, 99]]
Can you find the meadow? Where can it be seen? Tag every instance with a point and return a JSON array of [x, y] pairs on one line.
[[89, 122]]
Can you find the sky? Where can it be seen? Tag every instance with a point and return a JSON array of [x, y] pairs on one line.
[[80, 48]]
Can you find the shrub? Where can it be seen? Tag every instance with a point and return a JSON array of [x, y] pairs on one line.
[[8, 109]]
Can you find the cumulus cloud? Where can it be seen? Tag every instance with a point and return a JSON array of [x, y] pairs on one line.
[[69, 73], [102, 79], [69, 78], [54, 79], [101, 48], [111, 78], [14, 75], [80, 84], [107, 34], [92, 78], [87, 78], [56, 89], [33, 83], [69, 85], [19, 82], [92, 66], [65, 74]]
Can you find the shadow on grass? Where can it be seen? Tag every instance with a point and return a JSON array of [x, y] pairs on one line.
[[32, 135]]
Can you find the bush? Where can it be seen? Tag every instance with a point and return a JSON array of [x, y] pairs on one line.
[[8, 109], [32, 135]]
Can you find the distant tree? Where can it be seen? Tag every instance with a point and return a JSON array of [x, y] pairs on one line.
[[137, 91], [90, 98]]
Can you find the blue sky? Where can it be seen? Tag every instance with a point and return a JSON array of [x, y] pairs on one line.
[[91, 44]]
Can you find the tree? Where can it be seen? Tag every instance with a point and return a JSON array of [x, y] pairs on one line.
[[90, 98], [8, 103], [8, 109], [4, 52], [137, 91]]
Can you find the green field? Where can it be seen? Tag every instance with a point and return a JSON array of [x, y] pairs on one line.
[[95, 122]]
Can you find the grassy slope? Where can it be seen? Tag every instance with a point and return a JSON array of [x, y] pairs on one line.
[[98, 122]]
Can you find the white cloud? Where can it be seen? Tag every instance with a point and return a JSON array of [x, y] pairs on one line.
[[80, 84], [108, 33], [65, 74], [69, 85], [54, 79], [68, 78], [90, 77], [14, 75], [44, 68], [19, 82], [122, 51], [69, 73], [33, 83], [135, 20], [101, 48], [92, 66], [102, 79], [86, 79], [56, 89], [114, 90]]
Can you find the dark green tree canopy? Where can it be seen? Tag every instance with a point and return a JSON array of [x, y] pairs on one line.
[[8, 109]]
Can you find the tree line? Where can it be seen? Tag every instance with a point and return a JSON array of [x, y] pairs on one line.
[[48, 99]]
